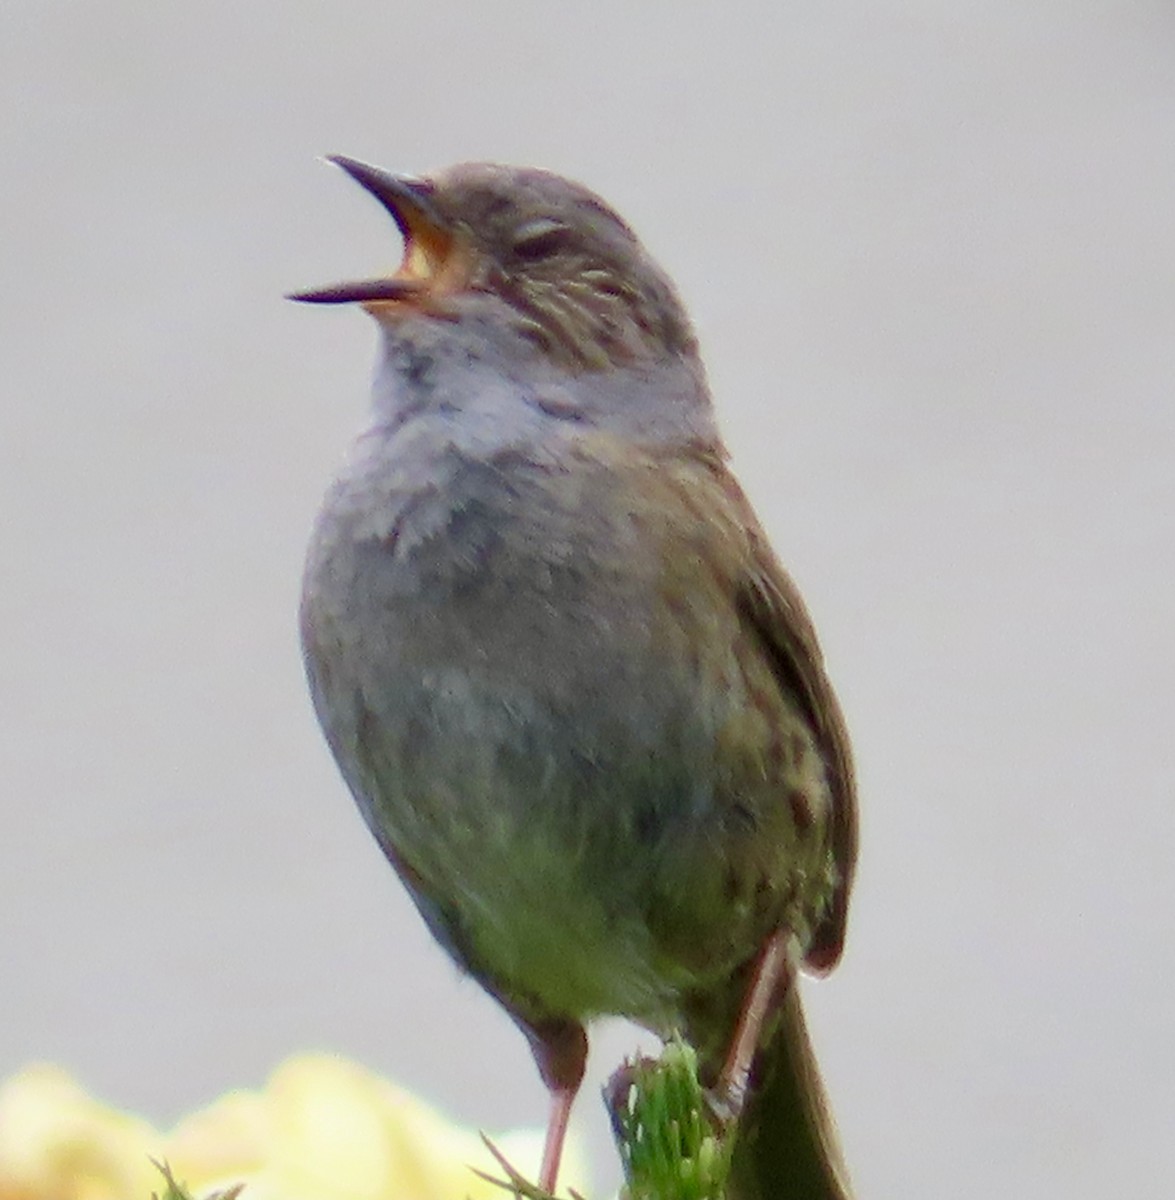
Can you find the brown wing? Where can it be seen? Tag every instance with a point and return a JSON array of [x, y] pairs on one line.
[[695, 492], [772, 606]]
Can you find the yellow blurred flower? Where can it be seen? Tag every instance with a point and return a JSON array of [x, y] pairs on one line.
[[321, 1129]]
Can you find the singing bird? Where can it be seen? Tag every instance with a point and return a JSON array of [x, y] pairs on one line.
[[578, 700]]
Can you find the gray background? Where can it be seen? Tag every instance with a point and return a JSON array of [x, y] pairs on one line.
[[931, 252]]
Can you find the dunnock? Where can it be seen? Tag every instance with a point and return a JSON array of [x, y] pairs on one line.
[[576, 697]]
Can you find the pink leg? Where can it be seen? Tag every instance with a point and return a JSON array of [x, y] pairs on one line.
[[561, 1102], [560, 1050], [771, 970]]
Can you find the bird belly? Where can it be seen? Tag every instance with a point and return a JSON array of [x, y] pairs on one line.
[[575, 796]]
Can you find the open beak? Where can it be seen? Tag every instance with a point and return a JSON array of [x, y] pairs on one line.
[[428, 240]]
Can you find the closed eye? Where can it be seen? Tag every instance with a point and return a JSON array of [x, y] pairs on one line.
[[540, 239]]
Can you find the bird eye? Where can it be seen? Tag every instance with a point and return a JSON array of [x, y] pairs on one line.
[[540, 239]]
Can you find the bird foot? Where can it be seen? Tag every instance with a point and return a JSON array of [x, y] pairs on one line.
[[515, 1182], [724, 1105]]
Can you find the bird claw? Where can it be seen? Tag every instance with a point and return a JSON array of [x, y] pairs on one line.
[[515, 1182], [725, 1105]]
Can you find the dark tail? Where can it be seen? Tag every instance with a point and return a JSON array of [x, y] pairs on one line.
[[788, 1147]]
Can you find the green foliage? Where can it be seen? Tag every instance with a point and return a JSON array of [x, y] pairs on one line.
[[665, 1130]]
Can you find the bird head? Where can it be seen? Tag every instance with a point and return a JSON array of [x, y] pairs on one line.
[[556, 261]]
